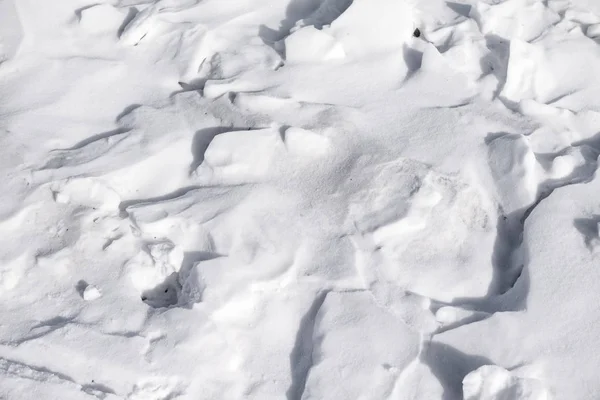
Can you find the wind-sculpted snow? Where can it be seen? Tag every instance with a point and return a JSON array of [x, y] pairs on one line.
[[11, 32], [301, 200]]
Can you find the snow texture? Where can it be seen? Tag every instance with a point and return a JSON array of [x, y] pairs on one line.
[[299, 199]]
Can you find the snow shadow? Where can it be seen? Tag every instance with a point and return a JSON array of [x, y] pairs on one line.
[[412, 58], [169, 293], [301, 356], [202, 139], [80, 287], [127, 110], [123, 207], [460, 9], [190, 259], [496, 60], [193, 85], [588, 227], [131, 14], [165, 294], [509, 287], [450, 366], [296, 11], [317, 13]]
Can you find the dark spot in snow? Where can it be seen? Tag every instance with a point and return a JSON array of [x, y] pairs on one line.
[[80, 287], [166, 290], [144, 298], [417, 33]]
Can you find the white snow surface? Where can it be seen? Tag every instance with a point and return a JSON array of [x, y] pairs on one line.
[[299, 199]]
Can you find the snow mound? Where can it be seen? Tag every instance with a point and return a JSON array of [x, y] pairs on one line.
[[515, 169], [242, 156], [102, 19], [351, 31], [525, 20], [346, 337], [404, 211], [539, 71], [495, 383], [310, 44]]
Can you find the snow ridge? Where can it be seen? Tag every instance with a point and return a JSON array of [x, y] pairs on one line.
[[301, 200]]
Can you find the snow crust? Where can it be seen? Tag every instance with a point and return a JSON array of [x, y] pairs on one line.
[[299, 199]]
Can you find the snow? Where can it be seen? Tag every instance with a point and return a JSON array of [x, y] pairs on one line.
[[493, 382], [91, 293], [300, 199]]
